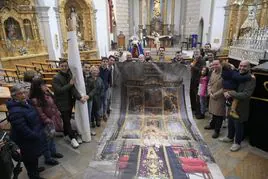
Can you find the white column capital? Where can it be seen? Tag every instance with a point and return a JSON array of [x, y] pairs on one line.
[[43, 13]]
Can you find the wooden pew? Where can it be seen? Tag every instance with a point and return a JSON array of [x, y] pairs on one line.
[[48, 74], [48, 81], [96, 62], [41, 66], [9, 74]]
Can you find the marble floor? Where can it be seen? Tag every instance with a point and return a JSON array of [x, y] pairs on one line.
[[248, 163]]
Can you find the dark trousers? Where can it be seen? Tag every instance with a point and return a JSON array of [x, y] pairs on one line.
[[50, 149], [66, 118], [31, 166], [216, 122], [235, 129], [194, 98]]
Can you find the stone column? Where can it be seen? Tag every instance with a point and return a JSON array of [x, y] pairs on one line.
[[224, 42], [148, 25], [59, 30], [165, 25], [172, 16], [140, 12], [140, 19], [44, 25]]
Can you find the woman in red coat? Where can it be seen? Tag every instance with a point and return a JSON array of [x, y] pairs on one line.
[[49, 115]]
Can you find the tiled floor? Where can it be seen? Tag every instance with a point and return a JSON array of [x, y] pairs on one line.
[[248, 163]]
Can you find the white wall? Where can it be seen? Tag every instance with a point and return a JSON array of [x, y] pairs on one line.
[[102, 30], [218, 23]]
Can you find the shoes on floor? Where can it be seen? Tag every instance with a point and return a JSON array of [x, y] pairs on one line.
[[79, 139], [40, 169], [93, 133], [215, 135], [200, 116], [52, 162], [235, 147], [57, 155], [74, 143], [234, 114], [226, 140], [208, 127]]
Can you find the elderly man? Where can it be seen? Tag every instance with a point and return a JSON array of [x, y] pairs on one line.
[[217, 100], [243, 93]]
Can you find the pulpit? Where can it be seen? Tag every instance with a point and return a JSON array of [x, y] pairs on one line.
[[258, 123]]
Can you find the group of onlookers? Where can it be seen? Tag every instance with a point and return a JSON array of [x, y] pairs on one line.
[[227, 92], [36, 113]]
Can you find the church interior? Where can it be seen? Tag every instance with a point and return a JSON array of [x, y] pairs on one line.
[[153, 129]]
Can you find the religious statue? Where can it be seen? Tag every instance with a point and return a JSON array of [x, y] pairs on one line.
[[74, 20], [156, 9], [135, 47], [156, 37], [12, 32], [251, 21]]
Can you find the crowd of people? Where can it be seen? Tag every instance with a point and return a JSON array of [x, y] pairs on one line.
[[36, 113], [225, 90]]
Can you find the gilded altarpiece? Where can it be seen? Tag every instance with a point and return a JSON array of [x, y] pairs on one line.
[[20, 41], [84, 14], [237, 14]]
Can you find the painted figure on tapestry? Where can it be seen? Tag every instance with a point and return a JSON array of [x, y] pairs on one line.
[[135, 104], [153, 98]]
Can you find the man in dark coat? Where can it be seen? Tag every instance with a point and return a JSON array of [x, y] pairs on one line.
[[106, 76], [243, 94], [27, 131], [90, 90], [65, 96], [96, 103]]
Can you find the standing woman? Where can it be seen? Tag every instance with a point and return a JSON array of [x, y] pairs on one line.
[[50, 117], [26, 129]]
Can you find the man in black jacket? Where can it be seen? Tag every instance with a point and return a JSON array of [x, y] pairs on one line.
[[65, 96], [106, 76]]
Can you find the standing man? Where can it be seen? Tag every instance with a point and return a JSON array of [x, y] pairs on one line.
[[105, 74], [216, 99], [90, 90], [243, 94], [111, 68], [65, 92]]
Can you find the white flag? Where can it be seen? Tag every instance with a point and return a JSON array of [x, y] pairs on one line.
[[81, 110]]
